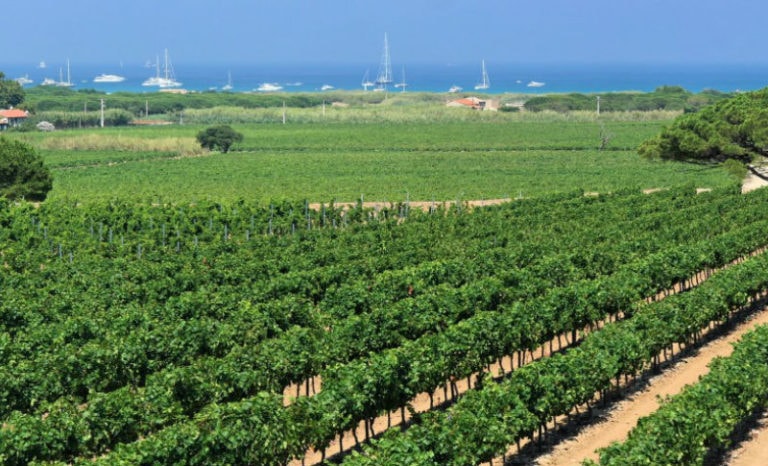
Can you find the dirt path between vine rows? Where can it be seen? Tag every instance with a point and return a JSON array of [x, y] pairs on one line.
[[625, 414], [754, 450]]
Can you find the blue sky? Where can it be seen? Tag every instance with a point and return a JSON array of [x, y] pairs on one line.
[[420, 31]]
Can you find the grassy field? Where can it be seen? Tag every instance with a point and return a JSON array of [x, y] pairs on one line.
[[472, 156]]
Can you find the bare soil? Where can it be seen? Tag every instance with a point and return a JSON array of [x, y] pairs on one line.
[[752, 182], [754, 450]]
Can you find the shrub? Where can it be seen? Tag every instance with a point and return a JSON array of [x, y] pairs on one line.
[[219, 137], [22, 173]]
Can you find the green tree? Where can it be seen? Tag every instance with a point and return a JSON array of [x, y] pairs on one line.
[[218, 137], [11, 93], [730, 129], [22, 173]]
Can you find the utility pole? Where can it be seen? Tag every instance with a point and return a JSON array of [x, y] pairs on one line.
[[101, 121], [283, 112], [598, 105]]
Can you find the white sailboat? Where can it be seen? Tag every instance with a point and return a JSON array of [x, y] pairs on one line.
[[228, 86], [367, 81], [485, 83], [68, 82], [167, 80], [402, 84], [384, 78]]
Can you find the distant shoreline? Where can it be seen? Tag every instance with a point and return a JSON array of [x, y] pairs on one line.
[[504, 78]]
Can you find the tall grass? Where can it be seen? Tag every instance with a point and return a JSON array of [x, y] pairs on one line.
[[92, 141], [396, 110]]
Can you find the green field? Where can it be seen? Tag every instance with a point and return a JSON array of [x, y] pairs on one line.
[[392, 161], [168, 305]]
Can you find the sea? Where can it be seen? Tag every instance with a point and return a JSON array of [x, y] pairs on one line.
[[505, 78]]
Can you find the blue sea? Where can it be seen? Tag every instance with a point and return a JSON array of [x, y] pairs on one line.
[[504, 77]]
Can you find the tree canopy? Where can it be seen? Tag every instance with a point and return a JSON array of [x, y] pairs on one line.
[[735, 128], [662, 98], [11, 93], [218, 137], [22, 173]]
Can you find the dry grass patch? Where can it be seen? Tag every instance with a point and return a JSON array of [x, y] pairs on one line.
[[95, 142]]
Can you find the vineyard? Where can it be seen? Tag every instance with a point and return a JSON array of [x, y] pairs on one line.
[[381, 161], [257, 334]]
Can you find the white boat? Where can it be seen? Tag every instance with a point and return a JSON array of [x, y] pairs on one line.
[[168, 79], [454, 89], [269, 87], [535, 84], [24, 80], [367, 81], [327, 87], [61, 82], [108, 78], [49, 82], [485, 83], [402, 84], [228, 86], [384, 78], [41, 65]]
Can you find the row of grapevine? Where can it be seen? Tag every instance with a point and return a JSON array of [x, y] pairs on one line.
[[697, 425], [483, 423], [106, 347], [340, 403]]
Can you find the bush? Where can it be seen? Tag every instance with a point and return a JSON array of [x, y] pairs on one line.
[[218, 137], [22, 173]]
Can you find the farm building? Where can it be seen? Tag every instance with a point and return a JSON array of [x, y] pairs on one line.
[[474, 103], [12, 117]]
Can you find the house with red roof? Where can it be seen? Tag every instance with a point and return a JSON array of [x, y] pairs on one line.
[[12, 117], [473, 103]]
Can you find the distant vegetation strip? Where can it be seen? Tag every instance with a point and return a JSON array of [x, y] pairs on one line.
[[71, 109], [343, 162]]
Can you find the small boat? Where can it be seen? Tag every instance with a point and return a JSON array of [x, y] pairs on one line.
[[367, 81], [402, 84], [535, 84], [41, 65], [269, 87], [228, 86], [454, 89], [485, 83], [326, 87], [24, 80], [108, 78], [49, 82]]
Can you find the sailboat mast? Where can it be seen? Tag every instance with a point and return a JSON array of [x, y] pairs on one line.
[[166, 65], [385, 68]]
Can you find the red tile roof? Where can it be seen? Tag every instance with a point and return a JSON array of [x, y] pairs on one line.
[[14, 113]]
